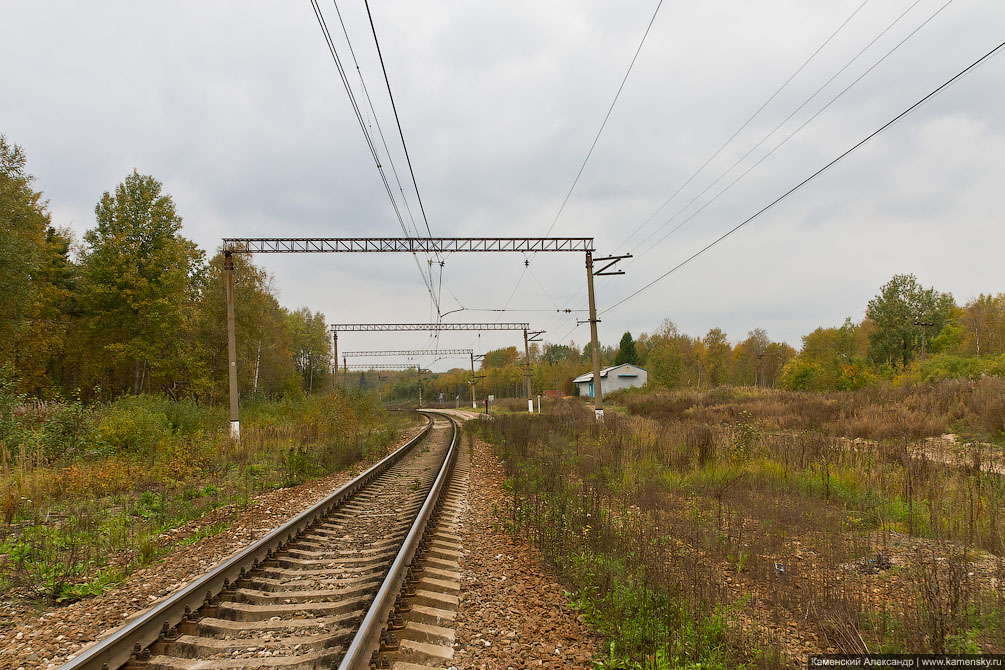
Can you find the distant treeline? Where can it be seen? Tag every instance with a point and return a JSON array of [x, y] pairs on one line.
[[909, 334], [136, 307]]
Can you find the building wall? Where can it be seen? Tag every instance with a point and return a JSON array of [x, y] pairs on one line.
[[612, 382]]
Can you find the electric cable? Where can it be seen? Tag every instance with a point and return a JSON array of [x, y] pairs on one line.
[[638, 256], [369, 140], [808, 179], [607, 116], [397, 120], [596, 139], [797, 110], [746, 123]]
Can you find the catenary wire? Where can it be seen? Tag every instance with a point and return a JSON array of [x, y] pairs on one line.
[[746, 123], [638, 256], [796, 111], [383, 140], [816, 174], [596, 138], [369, 140], [401, 134], [397, 120]]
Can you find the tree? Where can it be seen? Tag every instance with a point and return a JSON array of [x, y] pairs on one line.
[[718, 357], [264, 345], [983, 321], [894, 312], [748, 359], [311, 353], [499, 358], [43, 364], [137, 286], [23, 222], [626, 351]]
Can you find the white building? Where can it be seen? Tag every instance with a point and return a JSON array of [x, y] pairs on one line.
[[621, 376]]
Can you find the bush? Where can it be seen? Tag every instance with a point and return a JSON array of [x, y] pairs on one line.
[[947, 366], [135, 425]]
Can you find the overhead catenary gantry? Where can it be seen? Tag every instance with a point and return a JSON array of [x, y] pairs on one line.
[[438, 353], [436, 327], [265, 245], [382, 366], [413, 245], [380, 327], [408, 352]]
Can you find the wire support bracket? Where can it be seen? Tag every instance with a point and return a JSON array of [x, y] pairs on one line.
[[611, 262]]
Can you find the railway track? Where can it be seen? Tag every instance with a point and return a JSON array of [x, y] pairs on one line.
[[331, 588]]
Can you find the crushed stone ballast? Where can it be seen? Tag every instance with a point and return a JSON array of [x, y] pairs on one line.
[[327, 589]]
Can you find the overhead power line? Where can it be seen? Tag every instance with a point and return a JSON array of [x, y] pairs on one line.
[[376, 119], [366, 134], [813, 176], [786, 120], [397, 120], [746, 123], [607, 116], [589, 153], [781, 143]]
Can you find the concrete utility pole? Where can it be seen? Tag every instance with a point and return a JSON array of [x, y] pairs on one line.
[[526, 372], [924, 335], [598, 394], [235, 424], [473, 404], [335, 357], [529, 337]]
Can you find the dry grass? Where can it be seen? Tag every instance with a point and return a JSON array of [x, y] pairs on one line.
[[815, 526], [85, 492]]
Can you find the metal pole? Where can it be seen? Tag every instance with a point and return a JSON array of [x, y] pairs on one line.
[[235, 424], [598, 394], [473, 404], [345, 366], [526, 371], [335, 357]]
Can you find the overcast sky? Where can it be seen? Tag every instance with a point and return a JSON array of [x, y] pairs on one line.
[[238, 109]]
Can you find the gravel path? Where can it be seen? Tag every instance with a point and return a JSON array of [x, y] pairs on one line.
[[513, 613]]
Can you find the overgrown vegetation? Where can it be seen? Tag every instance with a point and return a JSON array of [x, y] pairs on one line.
[[746, 527], [86, 493]]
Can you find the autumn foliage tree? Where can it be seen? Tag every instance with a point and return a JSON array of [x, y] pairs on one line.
[[24, 221], [136, 284], [897, 314]]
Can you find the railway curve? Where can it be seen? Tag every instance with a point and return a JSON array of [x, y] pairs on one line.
[[327, 589]]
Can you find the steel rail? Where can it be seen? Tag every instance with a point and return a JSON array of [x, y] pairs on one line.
[[367, 638], [117, 649]]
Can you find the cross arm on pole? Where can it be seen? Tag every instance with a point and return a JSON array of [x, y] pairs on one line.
[[611, 262]]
